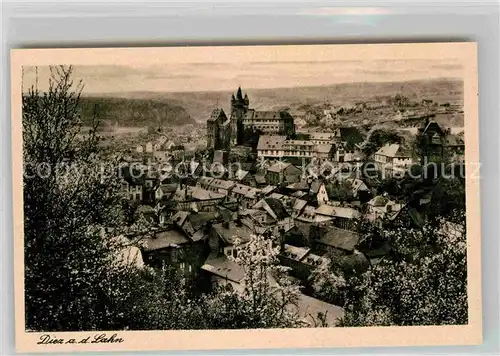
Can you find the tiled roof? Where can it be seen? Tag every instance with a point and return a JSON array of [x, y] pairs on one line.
[[279, 167], [240, 174], [294, 252], [268, 189], [165, 239], [309, 307], [302, 185], [223, 267], [337, 211], [324, 136], [339, 238], [392, 150], [203, 194], [358, 184], [222, 184], [215, 114], [270, 142], [277, 207], [315, 186], [245, 190], [323, 148], [230, 232]]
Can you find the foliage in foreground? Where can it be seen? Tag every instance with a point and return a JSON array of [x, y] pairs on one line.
[[74, 278], [423, 281]]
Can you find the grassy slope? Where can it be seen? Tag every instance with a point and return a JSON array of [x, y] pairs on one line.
[[114, 111]]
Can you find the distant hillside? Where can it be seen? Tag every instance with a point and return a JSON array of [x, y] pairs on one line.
[[200, 104], [113, 111]]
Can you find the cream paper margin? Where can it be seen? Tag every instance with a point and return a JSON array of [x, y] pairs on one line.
[[265, 338]]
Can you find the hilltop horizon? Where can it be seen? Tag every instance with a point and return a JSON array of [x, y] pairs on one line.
[[252, 89]]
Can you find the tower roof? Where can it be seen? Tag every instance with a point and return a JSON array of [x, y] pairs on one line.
[[239, 96]]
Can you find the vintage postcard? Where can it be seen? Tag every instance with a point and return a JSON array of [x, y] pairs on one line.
[[256, 197]]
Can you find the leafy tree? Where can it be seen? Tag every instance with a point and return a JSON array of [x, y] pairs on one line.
[[339, 190], [268, 295], [379, 138], [73, 280], [423, 281], [328, 283]]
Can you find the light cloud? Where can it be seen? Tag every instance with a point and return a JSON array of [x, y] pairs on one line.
[[214, 76]]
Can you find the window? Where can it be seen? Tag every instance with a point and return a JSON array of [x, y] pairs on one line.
[[182, 266]]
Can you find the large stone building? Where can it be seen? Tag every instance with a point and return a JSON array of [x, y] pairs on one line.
[[224, 132]]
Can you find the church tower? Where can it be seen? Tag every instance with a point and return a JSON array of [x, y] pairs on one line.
[[239, 107]]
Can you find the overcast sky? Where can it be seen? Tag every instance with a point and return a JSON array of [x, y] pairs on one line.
[[225, 72]]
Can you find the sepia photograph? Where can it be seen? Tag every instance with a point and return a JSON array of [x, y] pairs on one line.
[[303, 188]]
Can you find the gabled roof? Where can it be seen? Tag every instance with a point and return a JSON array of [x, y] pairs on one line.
[[277, 208], [240, 174], [198, 220], [268, 189], [221, 266], [245, 190], [359, 185], [309, 307], [226, 214], [315, 186], [281, 166], [294, 252], [180, 217], [165, 239], [221, 184], [263, 115], [205, 180], [231, 231], [203, 194], [324, 136], [339, 238], [337, 211], [301, 185], [270, 142], [323, 148], [392, 150], [432, 126], [216, 113], [299, 194]]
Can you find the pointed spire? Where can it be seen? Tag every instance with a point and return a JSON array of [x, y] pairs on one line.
[[239, 96]]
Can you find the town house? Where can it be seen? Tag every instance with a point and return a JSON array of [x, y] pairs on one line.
[[133, 182], [283, 173], [247, 196], [278, 218], [172, 248], [392, 160], [342, 217]]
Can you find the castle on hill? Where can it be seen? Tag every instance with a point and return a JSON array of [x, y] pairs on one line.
[[224, 133]]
